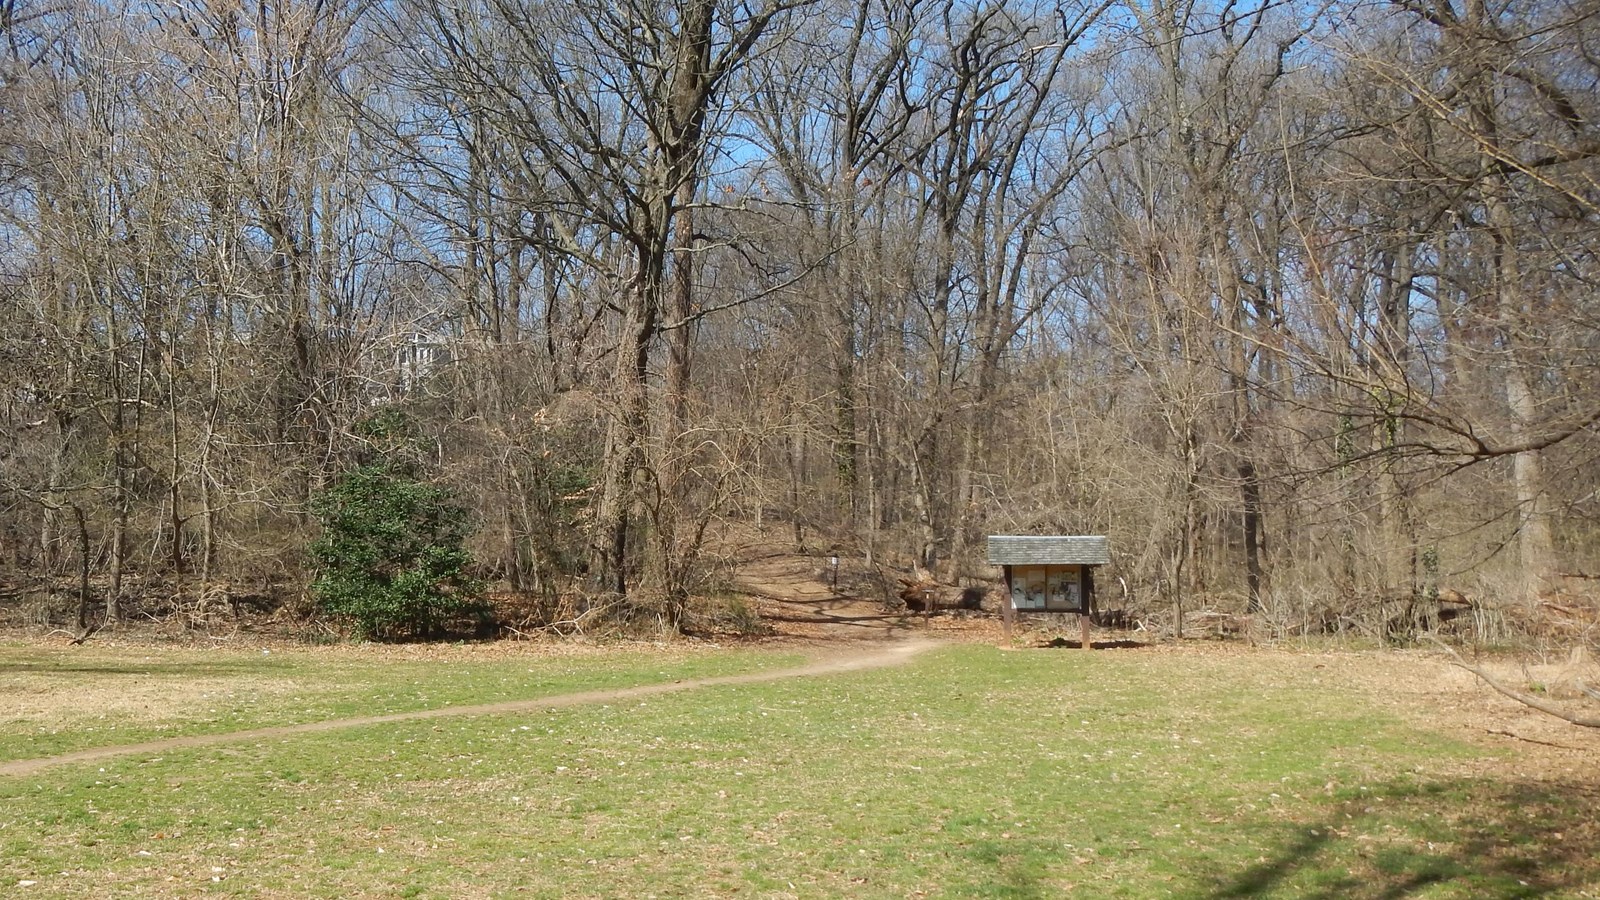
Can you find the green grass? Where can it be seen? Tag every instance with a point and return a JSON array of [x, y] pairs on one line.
[[55, 700], [970, 773]]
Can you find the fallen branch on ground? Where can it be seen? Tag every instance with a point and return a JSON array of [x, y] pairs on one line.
[[1519, 696], [1514, 735], [79, 637]]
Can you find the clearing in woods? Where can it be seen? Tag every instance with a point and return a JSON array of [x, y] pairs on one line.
[[853, 753]]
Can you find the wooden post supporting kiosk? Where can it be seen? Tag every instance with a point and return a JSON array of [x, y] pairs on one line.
[[1049, 574]]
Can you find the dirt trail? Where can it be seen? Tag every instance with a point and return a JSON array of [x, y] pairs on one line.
[[799, 597], [853, 659]]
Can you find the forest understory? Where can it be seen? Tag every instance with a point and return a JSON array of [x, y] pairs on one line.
[[509, 316]]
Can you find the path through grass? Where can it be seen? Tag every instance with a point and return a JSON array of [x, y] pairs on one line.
[[55, 700]]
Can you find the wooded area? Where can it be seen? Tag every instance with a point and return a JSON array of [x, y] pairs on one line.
[[1296, 302]]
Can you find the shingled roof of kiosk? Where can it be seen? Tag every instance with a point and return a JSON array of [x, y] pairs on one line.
[[1049, 550]]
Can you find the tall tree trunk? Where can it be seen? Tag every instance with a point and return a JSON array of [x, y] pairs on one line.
[[83, 568], [1534, 541], [1238, 386], [624, 450]]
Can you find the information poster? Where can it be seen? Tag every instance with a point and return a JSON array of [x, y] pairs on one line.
[[1063, 590], [1033, 582]]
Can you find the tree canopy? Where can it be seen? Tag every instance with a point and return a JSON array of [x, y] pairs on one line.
[[1295, 301]]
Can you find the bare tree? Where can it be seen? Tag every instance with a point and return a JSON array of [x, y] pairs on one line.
[[610, 114]]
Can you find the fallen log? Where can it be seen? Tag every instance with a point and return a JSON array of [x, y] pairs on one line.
[[928, 596]]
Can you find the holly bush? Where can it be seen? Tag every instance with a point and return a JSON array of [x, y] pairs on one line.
[[392, 558]]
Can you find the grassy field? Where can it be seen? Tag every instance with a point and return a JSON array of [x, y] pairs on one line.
[[971, 772], [54, 700]]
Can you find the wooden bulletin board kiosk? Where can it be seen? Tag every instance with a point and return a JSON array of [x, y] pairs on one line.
[[1049, 573]]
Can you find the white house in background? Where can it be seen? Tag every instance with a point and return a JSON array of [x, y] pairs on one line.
[[417, 355]]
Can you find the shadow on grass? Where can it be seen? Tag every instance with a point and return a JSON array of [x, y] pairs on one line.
[[1482, 838], [190, 669], [1062, 643], [822, 611]]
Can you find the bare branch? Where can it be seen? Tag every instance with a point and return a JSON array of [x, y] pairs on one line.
[[1523, 698]]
